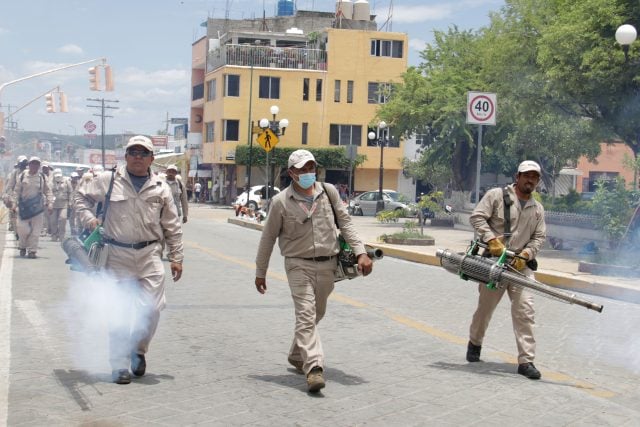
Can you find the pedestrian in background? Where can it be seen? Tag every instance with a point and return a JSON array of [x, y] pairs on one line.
[[62, 198], [46, 170], [197, 189], [178, 191], [33, 199], [302, 220], [8, 196], [140, 213], [523, 233], [73, 222]]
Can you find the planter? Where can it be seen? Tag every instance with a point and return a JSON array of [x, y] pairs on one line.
[[442, 222], [607, 269], [415, 241]]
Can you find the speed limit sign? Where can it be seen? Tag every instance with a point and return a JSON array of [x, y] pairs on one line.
[[481, 108]]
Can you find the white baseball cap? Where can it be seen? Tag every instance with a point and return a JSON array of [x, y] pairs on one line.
[[172, 168], [35, 159], [529, 165], [299, 158], [140, 140]]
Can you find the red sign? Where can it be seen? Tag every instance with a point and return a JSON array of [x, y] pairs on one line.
[[90, 126], [90, 135], [159, 140]]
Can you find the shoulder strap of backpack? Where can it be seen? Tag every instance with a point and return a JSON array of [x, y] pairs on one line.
[[335, 218], [507, 202]]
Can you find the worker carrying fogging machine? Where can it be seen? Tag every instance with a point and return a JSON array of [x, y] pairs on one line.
[[347, 260], [88, 252], [499, 274]]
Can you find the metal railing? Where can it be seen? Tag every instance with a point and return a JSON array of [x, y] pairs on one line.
[[267, 56]]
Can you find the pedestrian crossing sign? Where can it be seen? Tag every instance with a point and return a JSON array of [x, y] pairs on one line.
[[268, 139]]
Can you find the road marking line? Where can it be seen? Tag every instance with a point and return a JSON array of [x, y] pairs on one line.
[[590, 388], [6, 279]]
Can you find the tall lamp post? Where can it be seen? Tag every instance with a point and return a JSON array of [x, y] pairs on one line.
[[625, 35], [278, 128], [382, 140]]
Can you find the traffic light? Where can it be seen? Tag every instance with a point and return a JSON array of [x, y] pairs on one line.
[[64, 107], [2, 145], [108, 78], [51, 106], [94, 78]]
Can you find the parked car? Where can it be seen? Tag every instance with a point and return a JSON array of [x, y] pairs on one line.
[[366, 203], [256, 196]]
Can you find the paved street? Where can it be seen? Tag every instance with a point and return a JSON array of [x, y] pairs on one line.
[[395, 345]]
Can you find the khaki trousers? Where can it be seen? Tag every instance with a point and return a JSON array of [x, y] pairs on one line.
[[522, 316], [58, 223], [29, 232], [138, 299], [311, 283]]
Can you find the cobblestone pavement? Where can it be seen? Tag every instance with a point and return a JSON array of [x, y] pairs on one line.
[[394, 341]]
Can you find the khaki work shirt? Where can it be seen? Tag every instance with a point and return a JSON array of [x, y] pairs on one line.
[[303, 234], [62, 193], [133, 217], [179, 196], [28, 186], [528, 229]]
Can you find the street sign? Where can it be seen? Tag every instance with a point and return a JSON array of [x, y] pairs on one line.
[[268, 139], [179, 121], [90, 126], [90, 135], [159, 140], [481, 108]]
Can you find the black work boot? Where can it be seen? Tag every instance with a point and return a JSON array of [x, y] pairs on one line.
[[138, 364], [473, 352], [529, 371]]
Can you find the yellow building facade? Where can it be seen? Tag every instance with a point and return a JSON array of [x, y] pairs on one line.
[[328, 83]]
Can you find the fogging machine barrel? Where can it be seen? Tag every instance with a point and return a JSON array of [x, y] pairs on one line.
[[78, 257]]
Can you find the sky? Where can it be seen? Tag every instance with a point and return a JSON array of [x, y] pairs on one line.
[[148, 45]]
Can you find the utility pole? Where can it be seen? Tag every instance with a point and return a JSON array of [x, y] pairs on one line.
[[102, 115]]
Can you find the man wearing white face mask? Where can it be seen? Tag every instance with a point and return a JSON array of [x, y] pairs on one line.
[[302, 219]]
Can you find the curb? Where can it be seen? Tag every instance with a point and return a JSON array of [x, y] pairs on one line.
[[590, 287]]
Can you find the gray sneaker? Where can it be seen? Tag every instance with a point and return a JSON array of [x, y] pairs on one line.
[[315, 380]]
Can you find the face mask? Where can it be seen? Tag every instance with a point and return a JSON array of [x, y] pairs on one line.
[[306, 180]]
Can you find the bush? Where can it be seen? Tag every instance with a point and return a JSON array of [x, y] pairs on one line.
[[571, 202], [614, 207]]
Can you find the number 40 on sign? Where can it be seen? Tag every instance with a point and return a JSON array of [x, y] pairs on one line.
[[481, 108]]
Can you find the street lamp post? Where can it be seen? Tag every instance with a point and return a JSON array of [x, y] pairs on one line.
[[278, 128], [625, 35], [381, 142]]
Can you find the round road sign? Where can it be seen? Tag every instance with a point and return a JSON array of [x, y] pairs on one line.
[[90, 126], [481, 108]]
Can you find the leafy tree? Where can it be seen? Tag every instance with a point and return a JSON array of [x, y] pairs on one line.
[[614, 209]]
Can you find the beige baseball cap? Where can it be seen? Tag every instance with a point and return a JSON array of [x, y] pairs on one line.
[[299, 158], [528, 166], [140, 140]]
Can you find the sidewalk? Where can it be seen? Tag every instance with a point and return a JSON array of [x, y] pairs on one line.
[[557, 268]]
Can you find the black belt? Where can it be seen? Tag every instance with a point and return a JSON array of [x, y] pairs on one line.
[[320, 258], [138, 245]]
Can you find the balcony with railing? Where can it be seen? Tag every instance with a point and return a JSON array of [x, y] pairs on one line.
[[267, 56]]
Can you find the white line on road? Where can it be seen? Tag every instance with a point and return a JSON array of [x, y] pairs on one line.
[[6, 279]]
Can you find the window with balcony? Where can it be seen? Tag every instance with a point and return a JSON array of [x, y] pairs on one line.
[[231, 130], [345, 134], [211, 90], [210, 131], [269, 87], [231, 85], [388, 48]]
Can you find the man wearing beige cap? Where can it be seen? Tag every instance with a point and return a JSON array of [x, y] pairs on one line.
[[34, 198], [523, 232], [178, 191], [138, 216], [302, 219]]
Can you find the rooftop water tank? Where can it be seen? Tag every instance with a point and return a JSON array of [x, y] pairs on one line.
[[285, 7], [361, 10], [346, 6]]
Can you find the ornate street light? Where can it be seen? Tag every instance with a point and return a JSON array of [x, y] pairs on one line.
[[278, 128], [625, 35], [382, 140]]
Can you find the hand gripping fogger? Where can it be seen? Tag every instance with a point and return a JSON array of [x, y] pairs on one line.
[[88, 252], [500, 274]]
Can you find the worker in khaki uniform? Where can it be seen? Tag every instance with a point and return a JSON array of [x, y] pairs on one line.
[[528, 233], [62, 193], [46, 170], [73, 223], [140, 214], [178, 191], [8, 196], [32, 185], [302, 220]]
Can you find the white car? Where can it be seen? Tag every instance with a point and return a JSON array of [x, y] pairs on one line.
[[255, 198]]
